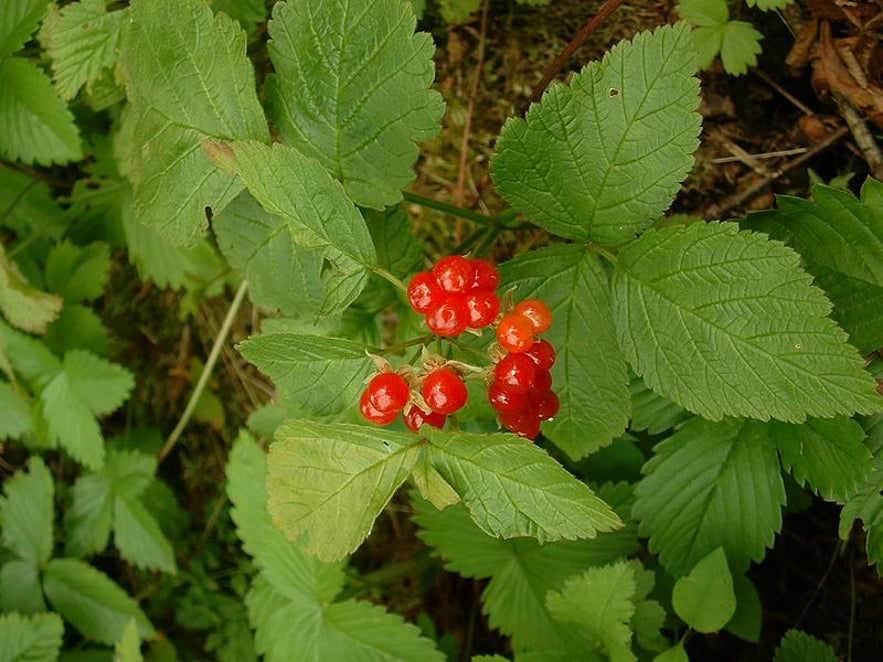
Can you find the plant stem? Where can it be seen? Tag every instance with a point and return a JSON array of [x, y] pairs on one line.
[[386, 275], [468, 214], [206, 372], [603, 252]]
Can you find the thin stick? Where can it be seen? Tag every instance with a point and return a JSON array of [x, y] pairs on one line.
[[206, 372], [591, 25], [764, 155]]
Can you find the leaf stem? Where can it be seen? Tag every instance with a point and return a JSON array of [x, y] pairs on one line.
[[468, 214], [386, 275], [206, 372], [603, 252]]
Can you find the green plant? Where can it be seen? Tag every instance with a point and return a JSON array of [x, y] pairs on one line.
[[716, 358]]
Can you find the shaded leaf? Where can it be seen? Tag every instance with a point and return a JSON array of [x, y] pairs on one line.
[[797, 646], [18, 20], [16, 419], [25, 307], [20, 588], [27, 513], [704, 597], [78, 273], [30, 639]]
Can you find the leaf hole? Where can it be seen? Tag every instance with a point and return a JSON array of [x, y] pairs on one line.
[[613, 92]]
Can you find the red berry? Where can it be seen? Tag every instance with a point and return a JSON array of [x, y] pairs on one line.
[[444, 391], [486, 276], [506, 402], [537, 312], [542, 380], [423, 291], [416, 418], [546, 404], [515, 333], [523, 424], [454, 273], [483, 307], [388, 392], [543, 354], [515, 373], [374, 415], [448, 317]]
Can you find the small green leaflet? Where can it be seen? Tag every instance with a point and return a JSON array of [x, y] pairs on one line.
[[30, 639], [590, 375], [724, 322], [35, 125], [318, 213], [188, 80], [767, 5], [737, 41], [18, 20], [78, 273], [78, 327], [748, 619], [592, 160], [128, 648], [20, 588], [710, 485], [704, 597], [352, 90], [23, 306], [27, 513], [866, 504], [797, 646], [16, 420]]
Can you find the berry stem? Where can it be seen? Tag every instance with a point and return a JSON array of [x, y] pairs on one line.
[[459, 212], [466, 348], [386, 275], [399, 348]]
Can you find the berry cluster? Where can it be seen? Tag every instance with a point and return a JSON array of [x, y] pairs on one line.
[[457, 294]]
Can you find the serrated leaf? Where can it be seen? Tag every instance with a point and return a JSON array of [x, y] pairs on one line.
[[708, 40], [740, 47], [78, 327], [321, 376], [78, 273], [18, 20], [512, 488], [16, 419], [594, 160], [281, 275], [826, 454], [128, 648], [88, 519], [797, 646], [138, 537], [589, 375], [35, 125], [352, 90], [20, 588], [866, 503], [710, 485], [344, 474], [727, 323], [318, 213], [433, 487], [26, 308], [704, 12], [27, 513], [30, 639], [29, 357], [188, 80], [704, 597], [91, 602], [652, 412], [83, 41]]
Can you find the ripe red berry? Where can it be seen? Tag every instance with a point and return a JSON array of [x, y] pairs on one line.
[[515, 373], [537, 312], [543, 354], [542, 380], [444, 391], [448, 317], [454, 273], [506, 402], [416, 418], [423, 291], [486, 276], [374, 415], [515, 333], [523, 424], [483, 307], [545, 403], [388, 392]]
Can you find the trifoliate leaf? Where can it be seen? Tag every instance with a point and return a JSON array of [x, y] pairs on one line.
[[35, 125], [797, 646], [20, 588], [27, 513], [704, 12], [344, 474], [737, 42], [727, 323], [30, 639], [512, 488], [589, 375], [83, 41], [16, 419], [352, 90], [78, 273], [18, 20], [711, 485], [592, 160], [188, 80], [315, 208], [139, 538], [740, 46], [26, 308], [704, 597], [319, 375], [128, 648], [91, 602]]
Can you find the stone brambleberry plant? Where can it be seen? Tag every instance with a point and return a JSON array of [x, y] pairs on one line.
[[721, 360]]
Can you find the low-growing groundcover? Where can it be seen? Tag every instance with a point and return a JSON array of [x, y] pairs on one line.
[[616, 421]]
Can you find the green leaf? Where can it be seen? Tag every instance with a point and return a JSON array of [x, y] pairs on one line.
[[512, 488], [27, 513], [352, 89], [399, 251], [25, 307], [704, 597], [322, 376], [188, 80], [827, 454], [710, 485], [652, 412], [604, 618], [83, 41], [748, 619], [797, 646], [866, 504], [35, 125], [16, 420], [740, 47], [92, 603], [29, 357], [281, 275], [704, 12], [244, 11], [139, 538], [457, 11], [88, 519], [78, 273], [727, 323], [737, 41], [128, 648], [78, 327], [341, 473], [20, 588], [674, 654], [18, 20], [314, 206], [590, 375], [30, 639], [767, 5], [592, 160]]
